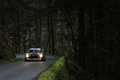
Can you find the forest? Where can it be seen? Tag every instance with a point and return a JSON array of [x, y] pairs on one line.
[[85, 31]]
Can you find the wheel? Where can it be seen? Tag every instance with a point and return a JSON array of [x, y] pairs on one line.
[[26, 59], [44, 59]]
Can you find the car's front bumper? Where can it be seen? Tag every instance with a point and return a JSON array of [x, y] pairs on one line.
[[34, 58]]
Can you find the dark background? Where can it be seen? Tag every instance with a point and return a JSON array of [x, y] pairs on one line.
[[85, 31]]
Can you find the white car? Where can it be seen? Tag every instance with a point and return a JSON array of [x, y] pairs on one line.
[[35, 54]]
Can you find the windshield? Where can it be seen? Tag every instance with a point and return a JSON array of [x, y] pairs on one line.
[[30, 51], [33, 51], [37, 51]]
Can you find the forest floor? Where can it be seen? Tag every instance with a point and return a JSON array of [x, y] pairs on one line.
[[109, 72], [76, 73]]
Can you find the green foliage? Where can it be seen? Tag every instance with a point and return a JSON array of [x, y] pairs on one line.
[[58, 71]]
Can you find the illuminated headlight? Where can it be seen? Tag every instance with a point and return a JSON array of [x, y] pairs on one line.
[[27, 55], [41, 55]]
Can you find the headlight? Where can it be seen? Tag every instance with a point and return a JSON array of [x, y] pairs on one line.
[[27, 55], [41, 55]]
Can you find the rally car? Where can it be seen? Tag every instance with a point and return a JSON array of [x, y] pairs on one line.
[[35, 54]]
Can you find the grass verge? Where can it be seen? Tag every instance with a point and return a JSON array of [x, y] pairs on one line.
[[12, 60]]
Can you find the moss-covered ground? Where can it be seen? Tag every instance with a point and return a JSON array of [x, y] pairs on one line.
[[58, 71]]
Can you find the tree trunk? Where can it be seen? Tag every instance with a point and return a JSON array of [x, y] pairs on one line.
[[3, 16], [52, 35], [18, 33], [29, 37], [49, 35], [82, 46], [40, 30]]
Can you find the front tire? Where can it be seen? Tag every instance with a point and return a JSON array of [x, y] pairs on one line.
[[26, 59], [43, 59]]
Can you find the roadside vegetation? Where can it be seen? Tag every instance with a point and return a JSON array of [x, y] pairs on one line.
[[7, 52], [85, 31], [12, 60], [59, 71]]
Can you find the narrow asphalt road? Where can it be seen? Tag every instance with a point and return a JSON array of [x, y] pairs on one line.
[[22, 70]]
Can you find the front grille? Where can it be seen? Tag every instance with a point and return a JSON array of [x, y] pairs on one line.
[[34, 55]]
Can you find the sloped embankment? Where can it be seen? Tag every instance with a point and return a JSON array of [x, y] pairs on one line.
[[59, 71]]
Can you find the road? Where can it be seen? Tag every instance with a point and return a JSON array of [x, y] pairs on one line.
[[22, 70]]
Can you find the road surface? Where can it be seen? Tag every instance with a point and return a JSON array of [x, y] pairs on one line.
[[22, 70]]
